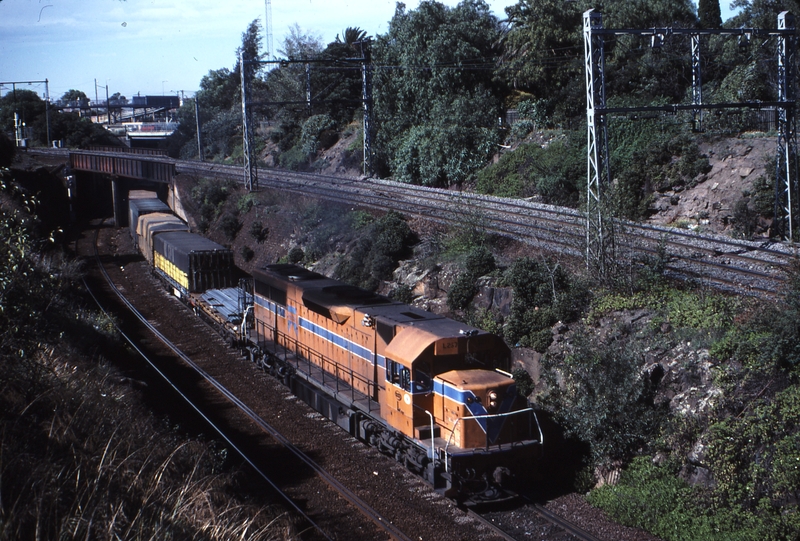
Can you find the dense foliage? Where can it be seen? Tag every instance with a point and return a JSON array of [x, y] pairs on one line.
[[555, 173], [741, 455], [437, 103], [544, 294], [382, 243]]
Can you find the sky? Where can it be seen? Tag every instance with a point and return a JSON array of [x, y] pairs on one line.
[[157, 47]]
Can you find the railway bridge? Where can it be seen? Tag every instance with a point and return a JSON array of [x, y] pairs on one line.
[[101, 169]]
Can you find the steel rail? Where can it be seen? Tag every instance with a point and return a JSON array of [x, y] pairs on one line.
[[761, 271], [573, 529], [349, 495], [175, 387], [566, 237]]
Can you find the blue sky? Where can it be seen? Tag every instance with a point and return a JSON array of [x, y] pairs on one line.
[[152, 47]]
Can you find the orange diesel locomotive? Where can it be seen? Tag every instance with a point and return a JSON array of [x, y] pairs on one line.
[[428, 390]]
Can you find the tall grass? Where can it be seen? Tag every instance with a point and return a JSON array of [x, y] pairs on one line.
[[82, 460]]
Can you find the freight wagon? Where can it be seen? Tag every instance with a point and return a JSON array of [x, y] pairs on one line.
[[191, 263], [152, 224]]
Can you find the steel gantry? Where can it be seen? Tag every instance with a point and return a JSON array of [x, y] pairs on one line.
[[250, 169], [599, 237], [599, 240], [786, 162]]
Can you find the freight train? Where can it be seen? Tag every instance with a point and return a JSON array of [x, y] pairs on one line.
[[431, 392]]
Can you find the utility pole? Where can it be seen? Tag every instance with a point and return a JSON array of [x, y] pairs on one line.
[[197, 121], [268, 30]]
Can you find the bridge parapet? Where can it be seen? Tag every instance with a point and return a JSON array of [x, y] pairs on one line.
[[134, 166]]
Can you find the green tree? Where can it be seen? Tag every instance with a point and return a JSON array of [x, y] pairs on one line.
[[602, 396], [251, 49], [352, 35], [375, 255], [73, 130], [709, 13], [435, 100], [285, 86], [543, 51], [762, 13], [73, 95], [220, 102], [26, 103]]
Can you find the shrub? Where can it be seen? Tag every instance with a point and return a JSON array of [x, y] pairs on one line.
[[258, 231], [210, 196], [524, 381], [375, 255], [745, 220], [468, 232], [316, 134], [246, 203], [293, 159], [479, 262], [360, 219], [295, 255], [544, 293], [653, 498], [645, 160], [230, 225], [402, 293], [603, 397], [461, 292], [247, 253], [530, 170]]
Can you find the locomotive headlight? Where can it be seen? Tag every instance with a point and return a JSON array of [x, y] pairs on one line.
[[492, 399]]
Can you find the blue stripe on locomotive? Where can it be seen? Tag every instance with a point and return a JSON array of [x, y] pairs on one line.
[[441, 388]]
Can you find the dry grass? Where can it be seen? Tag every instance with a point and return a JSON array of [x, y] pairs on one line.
[[81, 460]]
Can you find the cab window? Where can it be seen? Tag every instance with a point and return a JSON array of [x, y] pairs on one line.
[[422, 382], [399, 375]]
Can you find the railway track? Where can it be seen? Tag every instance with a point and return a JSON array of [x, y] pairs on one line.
[[492, 527], [535, 521], [743, 267], [738, 266], [365, 509]]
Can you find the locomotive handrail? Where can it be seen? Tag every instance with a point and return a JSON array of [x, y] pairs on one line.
[[305, 353], [491, 416]]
